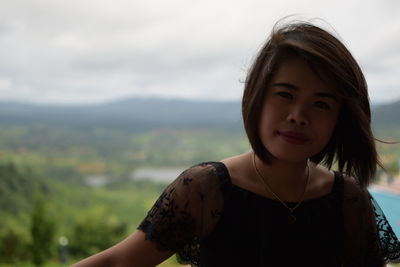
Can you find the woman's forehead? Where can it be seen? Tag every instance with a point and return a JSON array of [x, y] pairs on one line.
[[297, 74]]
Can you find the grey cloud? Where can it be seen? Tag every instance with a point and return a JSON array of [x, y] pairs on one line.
[[94, 50]]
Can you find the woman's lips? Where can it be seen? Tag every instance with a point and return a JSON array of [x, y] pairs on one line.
[[293, 137]]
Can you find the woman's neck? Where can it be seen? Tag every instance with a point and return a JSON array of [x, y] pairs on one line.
[[287, 179]]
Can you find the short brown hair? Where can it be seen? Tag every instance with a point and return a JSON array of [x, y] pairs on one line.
[[352, 143]]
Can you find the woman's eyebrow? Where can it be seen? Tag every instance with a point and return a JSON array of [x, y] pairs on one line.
[[287, 85], [294, 87], [328, 95]]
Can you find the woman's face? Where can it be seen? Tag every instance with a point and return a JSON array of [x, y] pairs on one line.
[[299, 113]]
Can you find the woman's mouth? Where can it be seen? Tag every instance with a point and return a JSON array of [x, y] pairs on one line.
[[293, 137]]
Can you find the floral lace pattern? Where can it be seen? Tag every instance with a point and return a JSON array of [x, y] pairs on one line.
[[187, 210], [389, 244]]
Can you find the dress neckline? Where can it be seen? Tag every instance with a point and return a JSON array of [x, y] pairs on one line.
[[226, 175]]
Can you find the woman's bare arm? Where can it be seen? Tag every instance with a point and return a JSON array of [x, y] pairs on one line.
[[134, 251]]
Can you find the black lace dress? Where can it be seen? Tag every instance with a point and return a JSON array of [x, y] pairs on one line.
[[209, 221]]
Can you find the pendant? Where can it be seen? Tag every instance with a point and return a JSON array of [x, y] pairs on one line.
[[291, 218]]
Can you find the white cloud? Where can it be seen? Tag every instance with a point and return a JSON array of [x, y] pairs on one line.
[[94, 50]]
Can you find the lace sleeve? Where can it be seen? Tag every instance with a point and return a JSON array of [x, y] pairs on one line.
[[185, 212], [361, 244], [389, 244], [368, 237]]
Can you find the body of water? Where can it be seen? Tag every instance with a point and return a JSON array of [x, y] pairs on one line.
[[165, 175]]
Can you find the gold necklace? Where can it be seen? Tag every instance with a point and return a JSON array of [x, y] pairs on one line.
[[291, 217]]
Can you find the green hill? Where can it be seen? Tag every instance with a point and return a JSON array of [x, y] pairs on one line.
[[52, 150]]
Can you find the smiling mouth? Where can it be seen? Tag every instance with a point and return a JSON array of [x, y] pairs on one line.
[[293, 137]]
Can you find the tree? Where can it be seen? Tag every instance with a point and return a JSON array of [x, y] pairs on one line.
[[42, 232], [13, 242], [95, 229]]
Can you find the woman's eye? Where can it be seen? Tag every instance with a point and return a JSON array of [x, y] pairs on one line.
[[285, 95], [322, 105]]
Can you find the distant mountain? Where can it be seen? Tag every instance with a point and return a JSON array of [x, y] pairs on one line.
[[387, 115], [140, 114], [133, 114]]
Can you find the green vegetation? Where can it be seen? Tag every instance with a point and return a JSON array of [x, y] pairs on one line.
[[44, 190], [42, 232], [91, 218]]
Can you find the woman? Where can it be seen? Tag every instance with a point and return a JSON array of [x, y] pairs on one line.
[[305, 109]]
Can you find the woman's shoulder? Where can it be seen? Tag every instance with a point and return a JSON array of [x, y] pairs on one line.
[[352, 189], [238, 170], [204, 175], [207, 169], [324, 181]]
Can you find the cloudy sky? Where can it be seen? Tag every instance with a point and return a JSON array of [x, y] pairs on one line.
[[90, 51]]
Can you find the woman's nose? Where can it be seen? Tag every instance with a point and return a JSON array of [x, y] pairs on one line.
[[297, 115]]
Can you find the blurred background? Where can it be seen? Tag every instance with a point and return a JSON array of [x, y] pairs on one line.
[[103, 103]]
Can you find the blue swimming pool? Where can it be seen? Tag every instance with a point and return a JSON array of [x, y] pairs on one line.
[[390, 204]]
